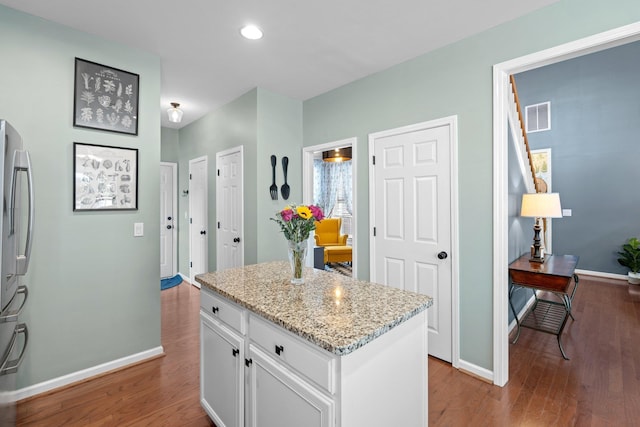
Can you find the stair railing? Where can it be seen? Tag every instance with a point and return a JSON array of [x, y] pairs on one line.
[[524, 133]]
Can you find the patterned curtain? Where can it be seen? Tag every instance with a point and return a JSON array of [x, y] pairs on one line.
[[332, 183]]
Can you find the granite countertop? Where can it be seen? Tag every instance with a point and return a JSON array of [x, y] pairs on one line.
[[332, 311]]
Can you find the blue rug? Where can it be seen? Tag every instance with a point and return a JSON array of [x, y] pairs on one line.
[[170, 282]]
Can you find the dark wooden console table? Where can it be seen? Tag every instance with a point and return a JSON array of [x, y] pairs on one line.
[[556, 275]]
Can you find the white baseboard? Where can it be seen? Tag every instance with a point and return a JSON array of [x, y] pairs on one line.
[[603, 275], [188, 280], [185, 278], [84, 374], [476, 370], [484, 373], [521, 313]]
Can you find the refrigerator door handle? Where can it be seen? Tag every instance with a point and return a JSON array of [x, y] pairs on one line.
[[12, 316], [11, 366], [22, 162]]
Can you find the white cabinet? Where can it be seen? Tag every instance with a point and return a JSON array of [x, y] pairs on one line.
[[278, 397], [315, 365], [222, 350], [289, 380], [256, 373], [221, 373]]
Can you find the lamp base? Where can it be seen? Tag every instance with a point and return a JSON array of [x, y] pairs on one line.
[[537, 255], [537, 250]]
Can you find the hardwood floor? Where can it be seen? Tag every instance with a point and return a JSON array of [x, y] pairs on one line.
[[161, 392], [600, 385]]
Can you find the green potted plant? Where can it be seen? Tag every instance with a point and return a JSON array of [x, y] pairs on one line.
[[630, 258]]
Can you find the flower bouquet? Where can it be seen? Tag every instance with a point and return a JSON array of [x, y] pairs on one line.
[[296, 223]]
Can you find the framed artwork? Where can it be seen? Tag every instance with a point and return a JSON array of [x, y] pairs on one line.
[[105, 178], [105, 98], [542, 166]]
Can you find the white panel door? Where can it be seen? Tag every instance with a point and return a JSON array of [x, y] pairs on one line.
[[229, 209], [198, 218], [167, 220], [412, 220]]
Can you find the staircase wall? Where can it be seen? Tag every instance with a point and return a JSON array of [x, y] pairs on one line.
[[595, 145]]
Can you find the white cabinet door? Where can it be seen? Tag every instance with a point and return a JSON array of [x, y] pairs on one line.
[[221, 373], [279, 398]]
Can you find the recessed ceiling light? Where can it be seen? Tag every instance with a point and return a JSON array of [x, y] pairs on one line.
[[251, 32]]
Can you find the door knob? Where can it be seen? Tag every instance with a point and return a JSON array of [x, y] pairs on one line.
[[203, 232], [442, 255], [168, 227], [169, 218], [236, 239]]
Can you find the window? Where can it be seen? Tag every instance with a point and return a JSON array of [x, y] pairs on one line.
[[538, 117]]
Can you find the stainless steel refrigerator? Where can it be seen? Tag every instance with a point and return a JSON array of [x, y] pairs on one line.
[[16, 224]]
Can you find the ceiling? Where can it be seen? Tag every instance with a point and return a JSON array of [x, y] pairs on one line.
[[308, 48]]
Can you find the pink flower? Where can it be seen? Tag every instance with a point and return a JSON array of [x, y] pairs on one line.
[[286, 215], [316, 212]]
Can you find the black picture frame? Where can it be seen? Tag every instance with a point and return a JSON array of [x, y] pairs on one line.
[[105, 178], [105, 98]]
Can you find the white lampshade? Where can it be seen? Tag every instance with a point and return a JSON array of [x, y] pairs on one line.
[[541, 205], [175, 113]]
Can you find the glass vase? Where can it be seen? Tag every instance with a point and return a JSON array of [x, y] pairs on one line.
[[297, 254]]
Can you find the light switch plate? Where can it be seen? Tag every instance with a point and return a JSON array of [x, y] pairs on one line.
[[566, 212], [138, 229]]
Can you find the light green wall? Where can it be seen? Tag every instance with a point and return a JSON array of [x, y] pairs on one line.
[[93, 288], [232, 125], [169, 147], [264, 123], [455, 80], [279, 133]]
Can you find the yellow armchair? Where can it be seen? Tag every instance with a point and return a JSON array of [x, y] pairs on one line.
[[328, 233]]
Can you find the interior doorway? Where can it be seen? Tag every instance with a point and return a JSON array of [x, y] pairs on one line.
[[414, 216], [332, 186], [229, 208], [501, 72], [168, 212], [198, 218]]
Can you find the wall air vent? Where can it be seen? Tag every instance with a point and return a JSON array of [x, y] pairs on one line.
[[538, 117]]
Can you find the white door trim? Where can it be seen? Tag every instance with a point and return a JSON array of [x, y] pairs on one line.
[[307, 185], [452, 122], [205, 159], [238, 149], [616, 37], [174, 212]]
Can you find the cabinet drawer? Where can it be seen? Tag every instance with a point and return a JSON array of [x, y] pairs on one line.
[[292, 351], [224, 310]]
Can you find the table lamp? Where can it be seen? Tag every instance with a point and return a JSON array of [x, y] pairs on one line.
[[538, 206]]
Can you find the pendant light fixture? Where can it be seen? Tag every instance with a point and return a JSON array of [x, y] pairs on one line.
[[338, 155], [175, 113]]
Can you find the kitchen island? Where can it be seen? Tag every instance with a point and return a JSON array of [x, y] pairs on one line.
[[332, 352]]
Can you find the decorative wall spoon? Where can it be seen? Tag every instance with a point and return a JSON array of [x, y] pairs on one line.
[[285, 187]]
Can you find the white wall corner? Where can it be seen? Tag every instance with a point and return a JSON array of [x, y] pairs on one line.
[[476, 370]]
